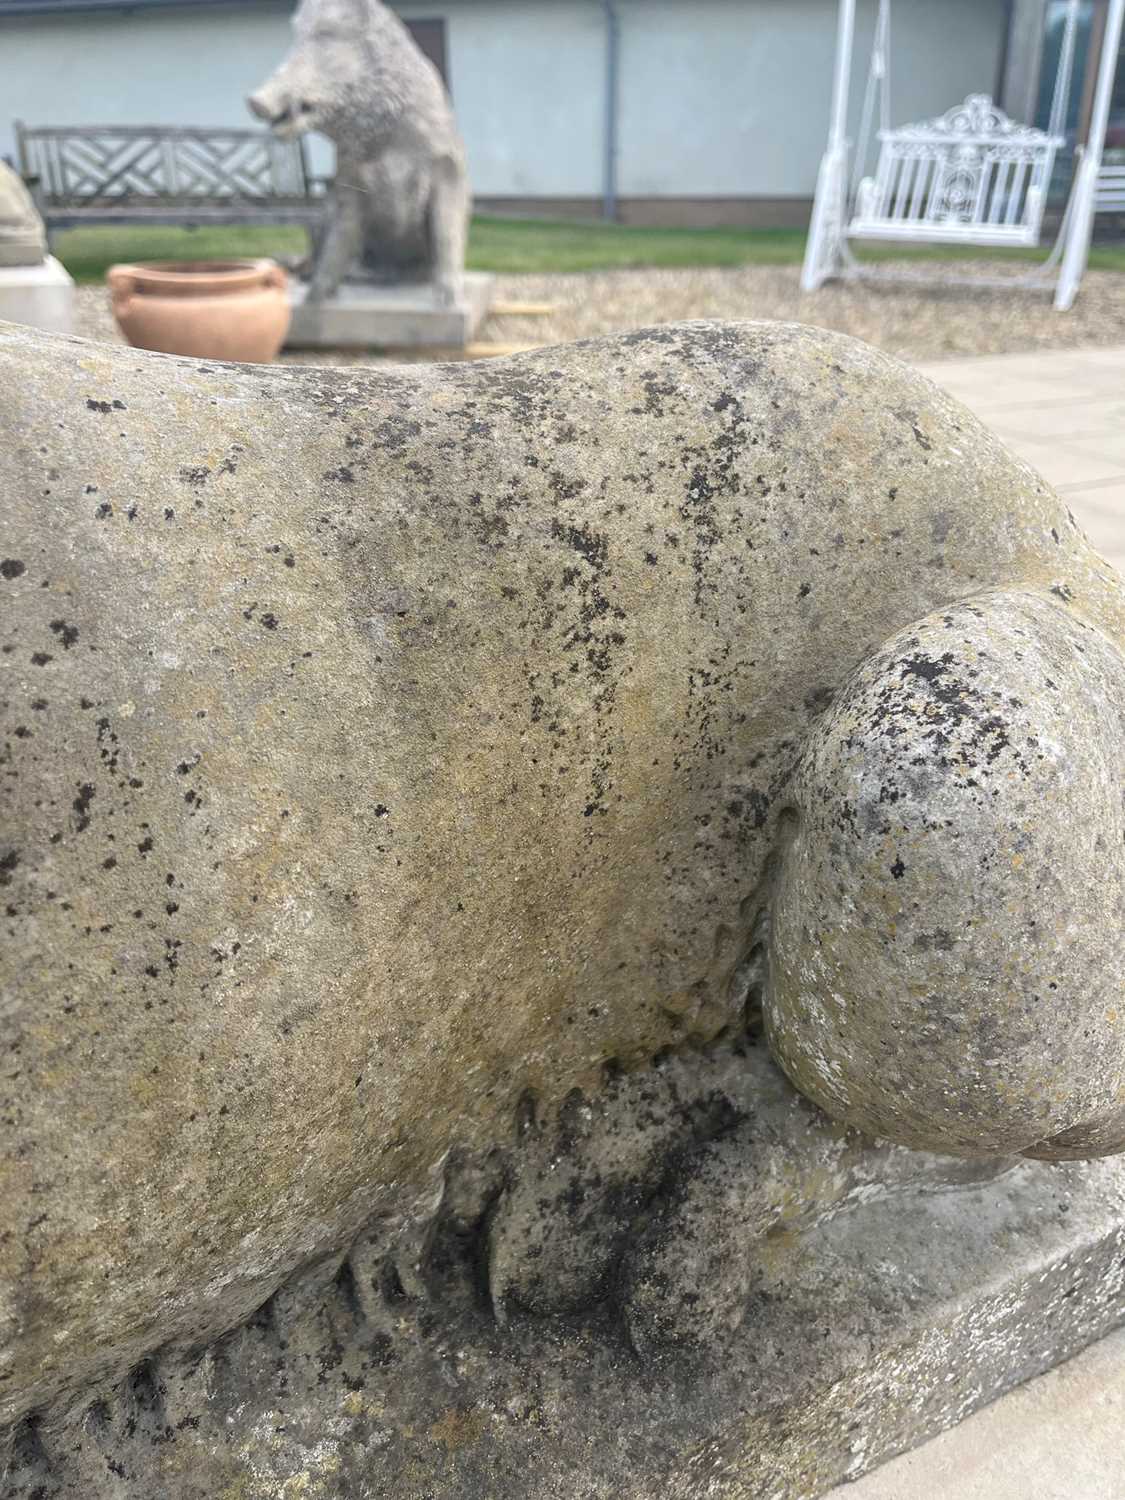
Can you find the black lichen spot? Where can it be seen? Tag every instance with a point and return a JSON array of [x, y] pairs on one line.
[[11, 567], [898, 869], [81, 805], [195, 477], [269, 621], [927, 668], [68, 634], [102, 406], [342, 475], [110, 863], [8, 863], [145, 846], [41, 658], [382, 811], [588, 544], [104, 510]]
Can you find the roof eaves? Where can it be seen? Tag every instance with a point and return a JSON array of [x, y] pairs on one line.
[[57, 7]]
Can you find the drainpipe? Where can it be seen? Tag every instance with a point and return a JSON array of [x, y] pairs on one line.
[[1000, 91], [612, 72]]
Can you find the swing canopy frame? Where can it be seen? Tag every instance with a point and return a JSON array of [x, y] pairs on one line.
[[972, 176]]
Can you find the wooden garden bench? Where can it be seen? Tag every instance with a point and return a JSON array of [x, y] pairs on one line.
[[167, 174]]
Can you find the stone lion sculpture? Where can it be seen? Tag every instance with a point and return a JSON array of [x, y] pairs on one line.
[[401, 195], [394, 758]]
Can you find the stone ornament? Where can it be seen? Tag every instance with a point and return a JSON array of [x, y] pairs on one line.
[[425, 790], [23, 240], [401, 195]]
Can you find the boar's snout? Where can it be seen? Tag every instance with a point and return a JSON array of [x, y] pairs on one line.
[[261, 105], [283, 113]]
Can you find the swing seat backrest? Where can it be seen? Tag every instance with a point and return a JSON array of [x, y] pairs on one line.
[[970, 177]]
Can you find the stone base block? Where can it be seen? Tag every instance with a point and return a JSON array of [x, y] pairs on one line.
[[389, 317], [865, 1337], [41, 295]]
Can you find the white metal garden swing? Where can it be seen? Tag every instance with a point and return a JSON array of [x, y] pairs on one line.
[[971, 177]]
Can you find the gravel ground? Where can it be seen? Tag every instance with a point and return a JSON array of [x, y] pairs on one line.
[[912, 321]]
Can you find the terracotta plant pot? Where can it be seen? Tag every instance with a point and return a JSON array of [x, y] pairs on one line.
[[212, 309]]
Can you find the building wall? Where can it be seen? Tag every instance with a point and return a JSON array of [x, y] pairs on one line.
[[719, 99], [165, 67], [528, 84], [722, 97]]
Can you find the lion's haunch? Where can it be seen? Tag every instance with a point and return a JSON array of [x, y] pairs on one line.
[[947, 944]]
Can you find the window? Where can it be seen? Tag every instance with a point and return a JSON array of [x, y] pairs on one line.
[[430, 37], [1055, 25], [1091, 27]]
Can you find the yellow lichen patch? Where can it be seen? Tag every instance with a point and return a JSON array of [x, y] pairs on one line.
[[459, 1428]]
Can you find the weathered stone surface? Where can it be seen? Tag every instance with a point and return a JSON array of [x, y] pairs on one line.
[[23, 240], [868, 1333], [401, 193], [947, 938], [387, 750]]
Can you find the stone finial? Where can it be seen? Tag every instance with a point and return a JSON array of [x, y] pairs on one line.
[[23, 240]]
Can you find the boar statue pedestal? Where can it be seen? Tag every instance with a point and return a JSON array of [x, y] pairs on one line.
[[389, 269], [562, 922]]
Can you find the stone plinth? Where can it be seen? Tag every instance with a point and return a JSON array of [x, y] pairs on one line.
[[865, 1336], [42, 296], [390, 317]]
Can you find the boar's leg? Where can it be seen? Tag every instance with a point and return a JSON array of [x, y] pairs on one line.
[[448, 214]]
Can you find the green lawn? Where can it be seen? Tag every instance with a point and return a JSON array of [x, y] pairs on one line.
[[512, 245]]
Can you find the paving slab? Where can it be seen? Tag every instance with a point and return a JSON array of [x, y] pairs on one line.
[[1059, 1437], [1064, 413]]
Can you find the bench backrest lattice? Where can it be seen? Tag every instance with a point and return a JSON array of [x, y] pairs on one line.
[[972, 176], [87, 166]]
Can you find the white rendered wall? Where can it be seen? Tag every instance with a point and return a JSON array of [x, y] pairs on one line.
[[732, 96], [162, 67], [528, 84], [717, 97]]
